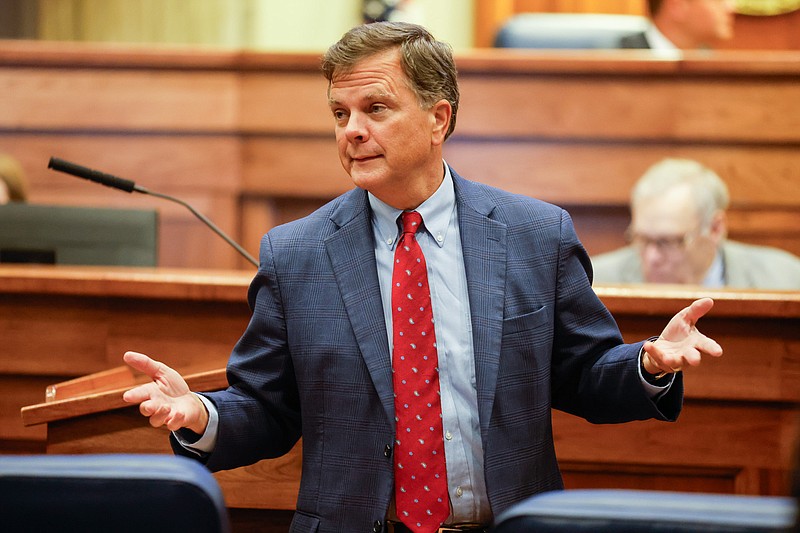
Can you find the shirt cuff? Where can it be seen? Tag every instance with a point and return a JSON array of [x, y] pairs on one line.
[[208, 440], [653, 390]]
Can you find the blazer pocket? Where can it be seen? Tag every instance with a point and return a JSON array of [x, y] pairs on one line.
[[526, 322], [304, 523]]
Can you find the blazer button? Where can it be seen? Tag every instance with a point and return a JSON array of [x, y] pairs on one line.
[[387, 451], [377, 527]]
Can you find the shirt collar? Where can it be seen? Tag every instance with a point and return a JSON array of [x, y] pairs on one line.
[[436, 212], [715, 275]]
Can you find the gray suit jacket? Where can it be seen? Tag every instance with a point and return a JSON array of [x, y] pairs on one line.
[[746, 267], [314, 361]]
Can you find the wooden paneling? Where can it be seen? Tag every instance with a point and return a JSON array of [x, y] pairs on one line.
[[636, 106], [581, 6], [279, 102], [751, 444], [202, 170], [56, 324], [295, 167], [112, 99], [595, 184], [579, 129], [247, 138], [602, 173]]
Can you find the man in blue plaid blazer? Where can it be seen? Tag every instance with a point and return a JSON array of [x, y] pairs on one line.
[[518, 327]]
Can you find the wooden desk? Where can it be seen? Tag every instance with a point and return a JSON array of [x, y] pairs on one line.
[[61, 323], [736, 433], [738, 429]]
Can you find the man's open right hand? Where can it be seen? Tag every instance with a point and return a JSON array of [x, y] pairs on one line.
[[166, 400]]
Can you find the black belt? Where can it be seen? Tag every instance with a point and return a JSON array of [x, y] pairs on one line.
[[399, 527]]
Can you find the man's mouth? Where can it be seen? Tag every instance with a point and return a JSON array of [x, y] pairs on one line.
[[365, 159]]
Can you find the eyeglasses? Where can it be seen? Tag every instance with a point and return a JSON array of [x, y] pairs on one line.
[[665, 244]]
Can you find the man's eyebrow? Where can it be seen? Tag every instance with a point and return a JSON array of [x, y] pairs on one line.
[[382, 95]]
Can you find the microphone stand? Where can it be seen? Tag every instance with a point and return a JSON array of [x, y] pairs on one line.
[[114, 182], [202, 217]]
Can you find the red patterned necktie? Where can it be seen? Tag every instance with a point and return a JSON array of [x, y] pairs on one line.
[[420, 475]]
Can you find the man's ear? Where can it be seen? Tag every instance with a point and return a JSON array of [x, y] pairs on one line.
[[719, 226], [442, 113]]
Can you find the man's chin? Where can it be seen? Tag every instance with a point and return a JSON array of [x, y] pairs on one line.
[[364, 178]]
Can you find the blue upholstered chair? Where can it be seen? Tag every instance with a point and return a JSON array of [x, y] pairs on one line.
[[633, 511], [567, 30], [109, 493]]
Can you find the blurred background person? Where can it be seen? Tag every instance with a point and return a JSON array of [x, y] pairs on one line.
[[13, 185], [678, 234], [684, 25], [391, 11]]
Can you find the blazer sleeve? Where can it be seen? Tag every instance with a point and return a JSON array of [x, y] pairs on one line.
[[595, 375], [259, 413]]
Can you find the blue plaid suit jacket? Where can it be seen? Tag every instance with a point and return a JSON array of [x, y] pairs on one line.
[[314, 360]]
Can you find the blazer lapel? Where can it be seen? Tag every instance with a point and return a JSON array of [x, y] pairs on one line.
[[484, 244], [352, 255]]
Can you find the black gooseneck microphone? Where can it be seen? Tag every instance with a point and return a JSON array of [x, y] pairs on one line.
[[126, 185]]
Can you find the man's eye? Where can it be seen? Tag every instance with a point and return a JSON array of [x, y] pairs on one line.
[[339, 114], [377, 108]]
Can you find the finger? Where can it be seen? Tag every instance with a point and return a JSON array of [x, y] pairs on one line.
[[663, 359], [708, 346], [142, 363], [656, 357], [692, 357], [175, 421], [697, 309], [150, 407], [159, 416], [138, 394], [648, 361]]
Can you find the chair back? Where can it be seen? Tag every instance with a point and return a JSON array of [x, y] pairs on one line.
[[640, 511], [567, 30], [111, 492]]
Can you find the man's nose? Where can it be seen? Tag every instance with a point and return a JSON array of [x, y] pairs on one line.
[[651, 253], [356, 129]]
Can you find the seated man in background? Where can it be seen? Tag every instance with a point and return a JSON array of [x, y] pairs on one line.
[[678, 235], [684, 25]]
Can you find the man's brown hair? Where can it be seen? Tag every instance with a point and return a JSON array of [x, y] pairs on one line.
[[427, 63]]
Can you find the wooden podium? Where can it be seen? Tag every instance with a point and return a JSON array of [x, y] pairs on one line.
[[88, 415], [737, 432]]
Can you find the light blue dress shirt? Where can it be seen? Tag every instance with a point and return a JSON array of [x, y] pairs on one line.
[[440, 241]]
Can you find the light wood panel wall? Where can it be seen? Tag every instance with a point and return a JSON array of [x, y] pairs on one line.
[[247, 139]]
